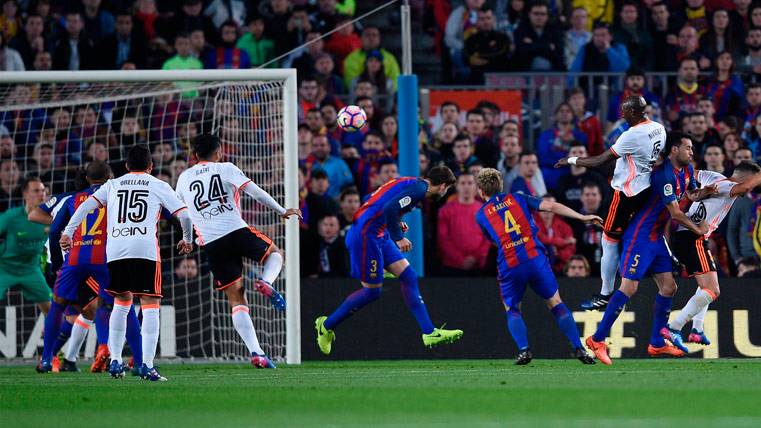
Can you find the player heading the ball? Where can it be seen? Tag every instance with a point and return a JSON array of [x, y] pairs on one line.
[[376, 242]]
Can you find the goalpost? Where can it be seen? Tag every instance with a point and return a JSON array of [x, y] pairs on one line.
[[54, 122]]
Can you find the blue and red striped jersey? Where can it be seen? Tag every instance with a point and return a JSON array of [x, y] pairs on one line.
[[669, 184], [507, 221], [89, 240], [384, 208]]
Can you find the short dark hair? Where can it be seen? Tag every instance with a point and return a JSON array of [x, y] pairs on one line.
[[476, 110], [591, 184], [386, 161], [28, 179], [345, 193], [441, 175], [635, 71], [674, 139], [449, 103], [229, 23], [526, 153], [205, 145], [98, 171], [576, 143], [319, 174], [139, 158], [460, 137], [749, 167]]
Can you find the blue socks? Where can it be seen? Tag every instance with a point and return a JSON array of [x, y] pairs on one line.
[[413, 300], [63, 335], [356, 301], [517, 328], [52, 327], [660, 319], [567, 324], [615, 306], [102, 316], [134, 338]]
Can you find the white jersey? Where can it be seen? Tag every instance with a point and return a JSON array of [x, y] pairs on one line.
[[212, 192], [134, 202], [637, 149], [713, 209]]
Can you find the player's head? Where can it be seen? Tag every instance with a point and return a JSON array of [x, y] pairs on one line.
[[679, 149], [745, 169], [139, 159], [440, 179], [33, 191], [633, 109], [207, 147], [80, 179], [98, 172], [489, 182]]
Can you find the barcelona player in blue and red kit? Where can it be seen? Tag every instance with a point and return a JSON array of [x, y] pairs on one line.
[[645, 250], [522, 259], [376, 243]]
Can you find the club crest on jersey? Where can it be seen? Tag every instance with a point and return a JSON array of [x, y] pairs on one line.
[[51, 203], [668, 190], [405, 201]]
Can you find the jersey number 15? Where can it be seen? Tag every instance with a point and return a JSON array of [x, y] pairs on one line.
[[133, 205]]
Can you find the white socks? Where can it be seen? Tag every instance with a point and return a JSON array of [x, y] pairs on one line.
[[78, 334], [150, 332], [117, 329], [245, 328], [697, 320], [695, 305], [272, 266], [608, 265]]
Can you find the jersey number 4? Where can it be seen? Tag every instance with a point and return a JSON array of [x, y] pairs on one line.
[[133, 205], [216, 192], [510, 224]]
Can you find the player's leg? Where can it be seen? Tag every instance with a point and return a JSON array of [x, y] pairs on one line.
[[122, 274], [596, 342], [257, 246], [82, 324], [102, 320], [244, 325], [35, 289], [148, 287], [697, 334], [612, 231], [708, 291], [65, 292], [666, 291], [512, 287]]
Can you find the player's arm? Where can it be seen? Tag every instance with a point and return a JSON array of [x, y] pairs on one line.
[[591, 161], [38, 215], [186, 245], [56, 229], [264, 198], [694, 194], [746, 186], [392, 213], [562, 210], [77, 218], [681, 218]]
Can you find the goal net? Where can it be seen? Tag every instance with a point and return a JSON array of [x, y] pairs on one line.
[[53, 123]]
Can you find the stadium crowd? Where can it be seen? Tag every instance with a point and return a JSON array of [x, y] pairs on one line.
[[713, 46]]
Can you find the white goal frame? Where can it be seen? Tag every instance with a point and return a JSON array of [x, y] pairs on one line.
[[290, 153]]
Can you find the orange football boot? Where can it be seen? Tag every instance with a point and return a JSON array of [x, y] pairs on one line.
[[102, 357], [667, 350], [56, 362], [600, 350]]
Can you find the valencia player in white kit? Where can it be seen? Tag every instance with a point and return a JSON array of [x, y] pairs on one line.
[[134, 202], [212, 191], [693, 252], [635, 152]]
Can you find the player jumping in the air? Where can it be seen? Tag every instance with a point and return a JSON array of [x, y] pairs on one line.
[[376, 243], [636, 152], [133, 203], [522, 260], [645, 250], [692, 250], [212, 190]]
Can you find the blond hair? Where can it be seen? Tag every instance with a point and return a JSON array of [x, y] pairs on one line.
[[489, 181]]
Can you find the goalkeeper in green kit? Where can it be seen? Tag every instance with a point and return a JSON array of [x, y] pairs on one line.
[[23, 243]]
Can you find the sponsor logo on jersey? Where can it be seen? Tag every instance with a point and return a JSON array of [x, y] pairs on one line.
[[51, 203], [405, 201], [668, 190], [215, 211], [128, 231]]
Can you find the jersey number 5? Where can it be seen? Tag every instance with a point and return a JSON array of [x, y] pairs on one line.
[[216, 192], [510, 224], [133, 205]]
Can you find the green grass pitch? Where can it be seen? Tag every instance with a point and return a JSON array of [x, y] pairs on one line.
[[631, 393]]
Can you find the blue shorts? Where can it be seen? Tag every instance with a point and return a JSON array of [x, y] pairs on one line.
[[537, 273], [369, 255], [639, 258], [82, 283]]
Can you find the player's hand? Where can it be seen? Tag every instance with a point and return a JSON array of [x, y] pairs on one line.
[[592, 219], [292, 211], [702, 228], [185, 247], [404, 227], [65, 243], [562, 162], [404, 245]]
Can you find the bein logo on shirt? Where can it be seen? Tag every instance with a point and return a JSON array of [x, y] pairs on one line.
[[128, 231]]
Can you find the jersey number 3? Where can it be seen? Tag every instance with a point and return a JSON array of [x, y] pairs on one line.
[[510, 224], [216, 192]]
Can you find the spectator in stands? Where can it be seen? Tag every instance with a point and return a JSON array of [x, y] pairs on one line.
[[343, 42], [509, 14], [687, 47], [68, 146], [753, 141], [598, 11], [528, 168], [318, 203], [743, 154], [372, 111], [538, 45], [577, 267], [461, 24], [259, 49], [10, 175], [308, 95], [462, 246], [389, 129], [183, 60], [148, 17], [354, 64], [376, 74], [74, 51], [223, 11], [327, 257], [227, 55], [277, 14], [124, 45], [725, 88], [325, 74], [492, 118], [705, 106], [450, 113], [10, 21], [701, 138], [444, 140], [462, 154], [99, 23], [577, 36], [188, 19], [748, 267], [740, 17], [31, 41], [571, 185], [696, 16], [586, 121], [315, 121], [349, 202], [731, 144], [739, 227], [8, 148], [485, 148], [713, 160], [630, 32], [387, 171], [600, 54], [556, 235], [750, 64], [11, 59], [664, 30], [487, 50], [589, 237], [326, 17], [198, 46], [510, 151], [338, 173], [42, 165], [298, 26], [683, 97], [721, 37], [96, 151], [304, 63], [554, 143], [186, 269]]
